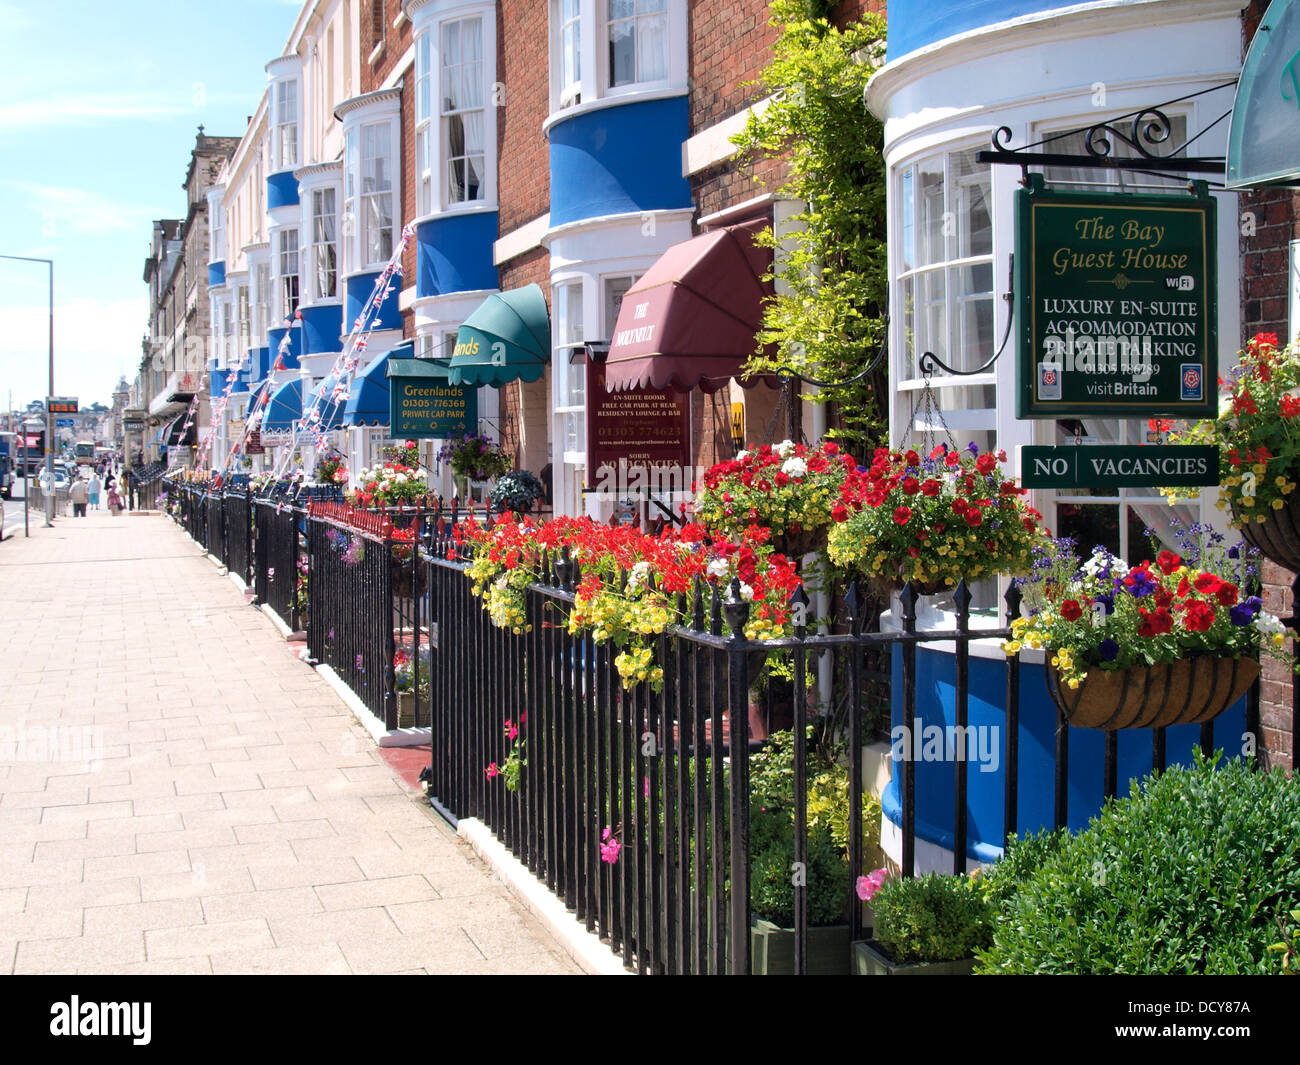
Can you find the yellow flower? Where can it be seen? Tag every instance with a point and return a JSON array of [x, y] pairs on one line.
[[1278, 504]]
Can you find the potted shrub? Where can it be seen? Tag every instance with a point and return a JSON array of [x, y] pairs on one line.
[[924, 926], [933, 520], [788, 489], [404, 683], [1259, 448], [1174, 642], [829, 876]]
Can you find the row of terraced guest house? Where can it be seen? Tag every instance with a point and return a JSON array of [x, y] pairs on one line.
[[569, 144], [566, 145]]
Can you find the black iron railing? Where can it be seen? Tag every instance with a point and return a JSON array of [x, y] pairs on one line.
[[238, 516], [663, 774]]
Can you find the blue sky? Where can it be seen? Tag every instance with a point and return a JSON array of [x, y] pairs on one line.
[[99, 106]]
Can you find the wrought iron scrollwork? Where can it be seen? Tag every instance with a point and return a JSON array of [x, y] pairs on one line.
[[1149, 128]]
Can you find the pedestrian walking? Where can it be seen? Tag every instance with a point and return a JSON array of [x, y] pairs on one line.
[[114, 500], [94, 487], [79, 495]]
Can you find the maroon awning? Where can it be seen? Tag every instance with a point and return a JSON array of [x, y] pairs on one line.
[[690, 321]]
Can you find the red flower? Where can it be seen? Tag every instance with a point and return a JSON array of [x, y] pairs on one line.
[[986, 464], [1199, 616], [902, 515], [1207, 583], [1070, 610], [1226, 594], [1168, 562], [952, 459], [931, 487], [839, 512], [912, 458], [911, 486], [974, 517]]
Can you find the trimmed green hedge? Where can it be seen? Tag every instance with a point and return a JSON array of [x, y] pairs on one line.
[[1189, 874]]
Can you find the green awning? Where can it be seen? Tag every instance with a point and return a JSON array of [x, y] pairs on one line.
[[1262, 144], [508, 338]]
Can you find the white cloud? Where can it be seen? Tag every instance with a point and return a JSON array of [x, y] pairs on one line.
[[95, 341], [85, 109], [66, 210]]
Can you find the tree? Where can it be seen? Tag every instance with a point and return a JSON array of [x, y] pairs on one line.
[[828, 323]]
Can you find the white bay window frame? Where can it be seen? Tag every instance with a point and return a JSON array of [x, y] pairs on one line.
[[284, 136], [584, 78], [446, 147], [324, 249]]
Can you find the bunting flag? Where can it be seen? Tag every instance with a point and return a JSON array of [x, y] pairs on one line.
[[345, 365]]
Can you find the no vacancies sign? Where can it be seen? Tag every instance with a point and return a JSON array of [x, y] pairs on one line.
[[1116, 303], [1088, 466]]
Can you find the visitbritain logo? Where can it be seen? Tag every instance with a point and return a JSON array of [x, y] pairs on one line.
[[113, 1019]]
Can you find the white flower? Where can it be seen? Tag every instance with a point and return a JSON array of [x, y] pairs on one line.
[[400, 478], [717, 568], [639, 575], [1269, 624], [794, 467], [746, 592], [741, 456], [785, 448]]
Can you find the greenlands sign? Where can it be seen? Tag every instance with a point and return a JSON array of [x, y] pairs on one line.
[[1115, 305], [423, 403]]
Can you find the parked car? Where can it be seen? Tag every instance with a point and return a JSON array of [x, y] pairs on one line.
[[61, 480]]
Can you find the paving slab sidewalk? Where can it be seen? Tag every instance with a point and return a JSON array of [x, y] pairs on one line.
[[178, 794]]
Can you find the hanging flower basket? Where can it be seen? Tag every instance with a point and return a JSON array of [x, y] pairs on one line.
[[1190, 691], [804, 542], [1277, 537], [402, 579]]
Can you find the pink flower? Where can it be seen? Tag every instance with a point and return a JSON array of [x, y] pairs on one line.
[[868, 885], [491, 771], [511, 731], [523, 719], [645, 790], [609, 847]]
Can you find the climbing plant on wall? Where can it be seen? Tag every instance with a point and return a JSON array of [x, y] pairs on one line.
[[827, 323]]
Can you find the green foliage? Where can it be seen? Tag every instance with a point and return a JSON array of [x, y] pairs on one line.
[[1024, 856], [828, 323], [1188, 874], [771, 819], [1287, 948], [932, 918]]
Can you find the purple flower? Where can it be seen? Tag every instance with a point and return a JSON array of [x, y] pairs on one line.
[[1140, 583], [359, 662], [1108, 601], [1244, 612], [1109, 650]]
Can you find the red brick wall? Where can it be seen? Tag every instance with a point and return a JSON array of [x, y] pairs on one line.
[[730, 44], [523, 170], [396, 42], [533, 267], [1269, 221]]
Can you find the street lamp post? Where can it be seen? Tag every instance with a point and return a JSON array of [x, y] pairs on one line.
[[49, 414]]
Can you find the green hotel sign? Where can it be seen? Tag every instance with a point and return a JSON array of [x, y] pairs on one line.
[[1089, 466], [422, 403], [1116, 305]]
